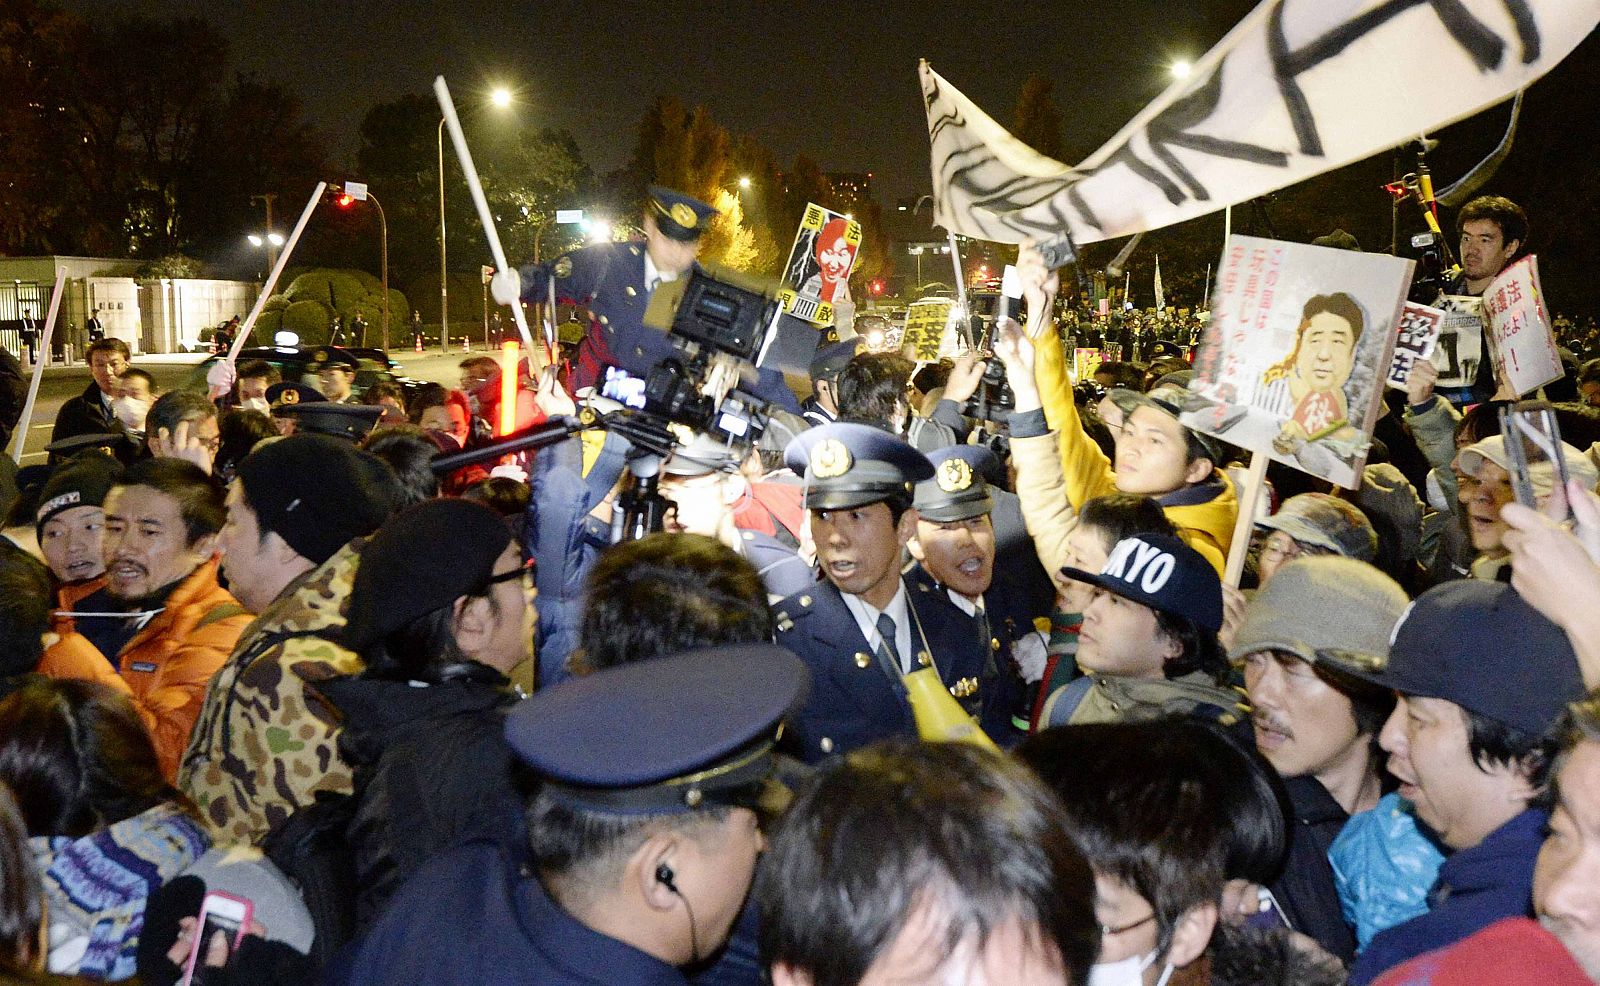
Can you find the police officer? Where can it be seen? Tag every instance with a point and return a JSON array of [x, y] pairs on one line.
[[614, 282], [642, 835], [352, 422], [955, 549], [822, 407], [703, 481], [288, 394], [336, 374], [861, 629]]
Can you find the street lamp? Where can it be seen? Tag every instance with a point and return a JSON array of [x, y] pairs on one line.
[[744, 182], [1180, 69], [272, 241], [502, 98]]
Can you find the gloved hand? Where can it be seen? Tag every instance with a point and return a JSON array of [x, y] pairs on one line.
[[506, 287], [220, 378]]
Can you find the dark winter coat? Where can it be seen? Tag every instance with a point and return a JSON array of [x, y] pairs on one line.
[[432, 769]]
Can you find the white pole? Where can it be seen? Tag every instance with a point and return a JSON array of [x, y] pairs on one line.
[[38, 366], [277, 269], [1227, 226], [463, 154]]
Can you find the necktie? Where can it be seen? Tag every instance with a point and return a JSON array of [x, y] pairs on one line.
[[888, 654]]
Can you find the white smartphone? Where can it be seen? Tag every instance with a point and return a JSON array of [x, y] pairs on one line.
[[218, 912]]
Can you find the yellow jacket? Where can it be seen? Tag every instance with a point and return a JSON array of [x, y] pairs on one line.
[[1206, 526]]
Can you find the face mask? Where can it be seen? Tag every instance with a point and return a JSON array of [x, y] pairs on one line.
[[130, 412], [256, 404], [1126, 972]]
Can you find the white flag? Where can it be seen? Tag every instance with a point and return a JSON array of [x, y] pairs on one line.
[[1297, 88], [1161, 296]]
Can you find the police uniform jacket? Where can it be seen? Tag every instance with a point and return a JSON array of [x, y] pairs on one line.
[[474, 916], [608, 280], [853, 702]]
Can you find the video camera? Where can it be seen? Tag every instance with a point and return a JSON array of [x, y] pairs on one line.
[[718, 328], [720, 325], [1434, 269], [993, 398]]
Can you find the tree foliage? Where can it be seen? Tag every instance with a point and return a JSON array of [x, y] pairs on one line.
[[129, 136]]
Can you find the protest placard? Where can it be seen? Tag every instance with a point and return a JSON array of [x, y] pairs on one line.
[[1459, 348], [1085, 362], [1522, 345], [1419, 331], [926, 321], [825, 249], [1292, 362]]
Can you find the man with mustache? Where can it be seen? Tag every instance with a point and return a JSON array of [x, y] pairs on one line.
[[1315, 722], [166, 623]]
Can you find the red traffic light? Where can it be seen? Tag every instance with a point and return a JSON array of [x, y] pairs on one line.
[[344, 200], [877, 287]]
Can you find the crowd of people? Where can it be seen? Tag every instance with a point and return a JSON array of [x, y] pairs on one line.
[[894, 694]]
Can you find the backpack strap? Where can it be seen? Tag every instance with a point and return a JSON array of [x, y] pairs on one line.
[[220, 612]]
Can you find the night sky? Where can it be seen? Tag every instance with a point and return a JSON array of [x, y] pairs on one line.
[[836, 81]]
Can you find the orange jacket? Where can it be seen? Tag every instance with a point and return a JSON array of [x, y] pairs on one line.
[[68, 596], [169, 663], [72, 656]]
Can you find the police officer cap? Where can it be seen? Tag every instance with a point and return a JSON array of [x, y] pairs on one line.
[[281, 395], [957, 490], [704, 454], [851, 465], [68, 447], [331, 356], [679, 216], [352, 421], [831, 360], [662, 736]]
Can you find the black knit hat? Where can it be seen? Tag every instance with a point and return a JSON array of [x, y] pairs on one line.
[[317, 493], [426, 557], [76, 483]]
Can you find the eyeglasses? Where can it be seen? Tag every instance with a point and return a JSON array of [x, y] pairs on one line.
[[525, 572], [1106, 931], [1280, 546]]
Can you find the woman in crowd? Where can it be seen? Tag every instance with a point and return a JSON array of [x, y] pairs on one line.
[[105, 827]]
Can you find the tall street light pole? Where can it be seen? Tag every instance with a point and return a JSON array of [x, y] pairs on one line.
[[501, 98], [444, 270]]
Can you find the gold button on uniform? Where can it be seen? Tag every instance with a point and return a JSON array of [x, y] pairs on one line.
[[826, 745], [862, 659]]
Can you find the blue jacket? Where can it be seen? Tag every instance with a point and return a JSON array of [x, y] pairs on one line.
[[608, 280], [852, 701], [1476, 888], [471, 917], [564, 541]]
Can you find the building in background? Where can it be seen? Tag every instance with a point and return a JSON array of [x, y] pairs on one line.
[[152, 315]]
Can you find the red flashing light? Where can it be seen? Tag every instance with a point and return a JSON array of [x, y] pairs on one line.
[[344, 200]]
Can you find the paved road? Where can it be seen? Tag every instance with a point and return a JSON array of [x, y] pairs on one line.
[[61, 383]]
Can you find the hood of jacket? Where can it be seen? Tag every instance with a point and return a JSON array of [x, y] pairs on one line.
[[1205, 515], [378, 711]]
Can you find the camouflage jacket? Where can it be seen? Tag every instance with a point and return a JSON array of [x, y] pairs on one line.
[[267, 739]]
